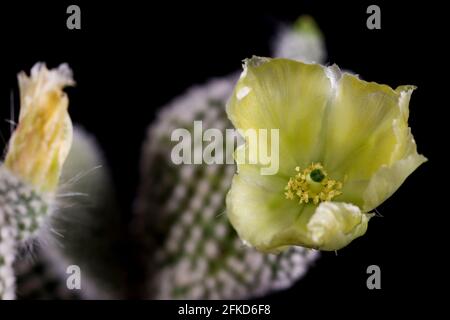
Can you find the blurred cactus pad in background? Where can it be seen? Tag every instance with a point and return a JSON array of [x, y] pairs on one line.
[[58, 207]]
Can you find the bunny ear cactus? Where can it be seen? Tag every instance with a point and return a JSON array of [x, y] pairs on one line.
[[36, 153], [345, 148]]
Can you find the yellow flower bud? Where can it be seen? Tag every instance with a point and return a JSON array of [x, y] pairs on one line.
[[40, 143]]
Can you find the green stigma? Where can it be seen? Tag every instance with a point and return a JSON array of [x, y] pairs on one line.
[[317, 175]]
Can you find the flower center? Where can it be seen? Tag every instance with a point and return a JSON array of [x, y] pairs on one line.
[[312, 184]]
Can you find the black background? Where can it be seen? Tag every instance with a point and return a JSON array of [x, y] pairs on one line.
[[130, 58]]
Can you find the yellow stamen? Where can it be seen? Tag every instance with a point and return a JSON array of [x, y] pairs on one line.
[[312, 184]]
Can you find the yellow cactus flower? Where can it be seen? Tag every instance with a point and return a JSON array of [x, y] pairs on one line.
[[344, 148], [42, 139]]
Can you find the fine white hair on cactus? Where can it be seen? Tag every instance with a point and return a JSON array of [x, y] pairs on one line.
[[90, 224]]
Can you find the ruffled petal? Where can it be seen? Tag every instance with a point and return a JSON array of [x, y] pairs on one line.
[[389, 178], [374, 167], [359, 136], [335, 224]]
